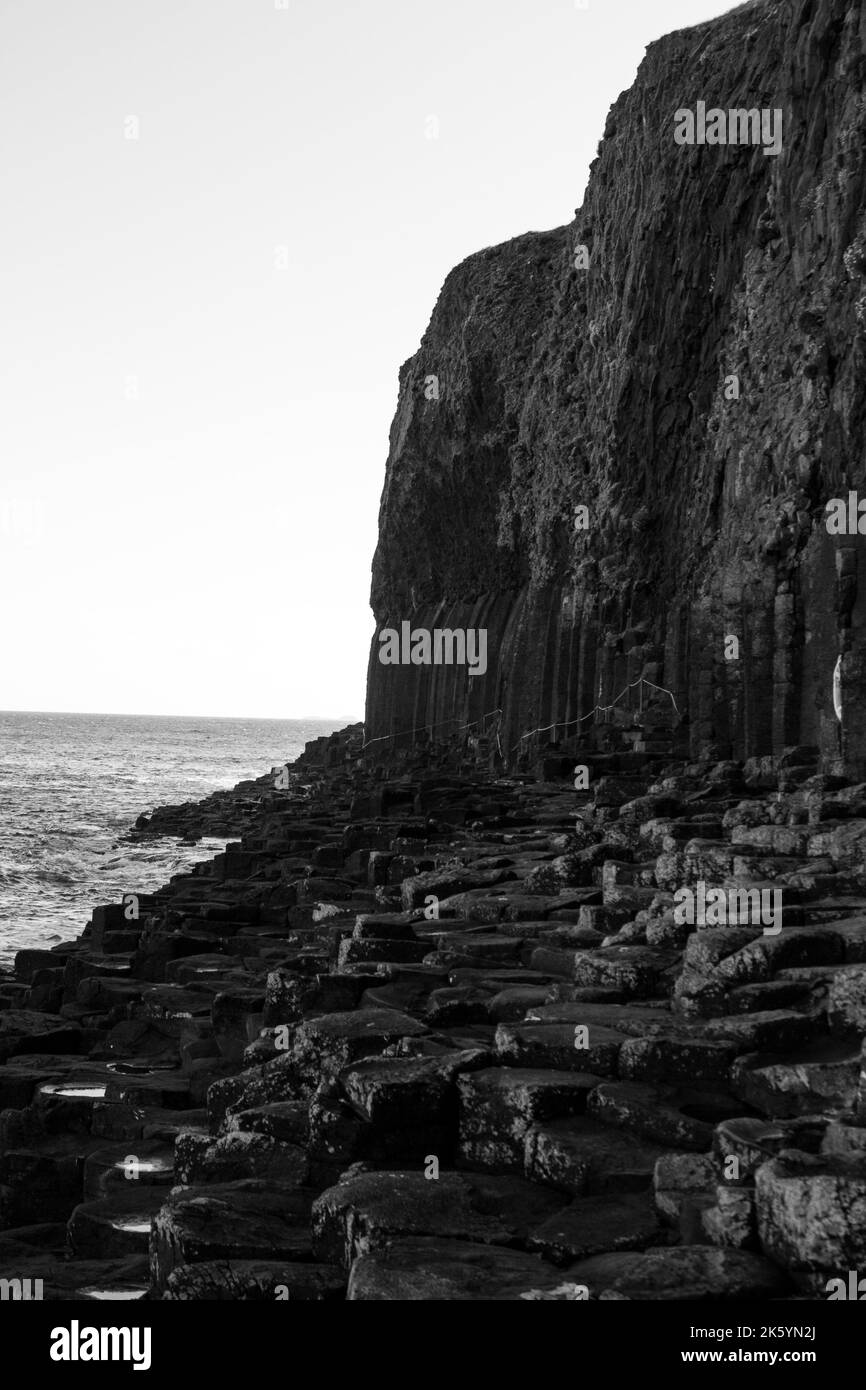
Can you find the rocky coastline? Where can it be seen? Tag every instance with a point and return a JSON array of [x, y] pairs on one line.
[[430, 1029], [548, 983]]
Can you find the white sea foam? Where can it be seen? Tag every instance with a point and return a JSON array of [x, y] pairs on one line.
[[71, 784]]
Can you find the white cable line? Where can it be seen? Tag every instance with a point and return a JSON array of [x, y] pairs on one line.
[[599, 709], [425, 727], [560, 724]]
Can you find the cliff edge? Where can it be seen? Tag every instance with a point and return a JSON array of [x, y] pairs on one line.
[[686, 361]]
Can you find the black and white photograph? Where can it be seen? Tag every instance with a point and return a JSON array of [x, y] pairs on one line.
[[433, 672]]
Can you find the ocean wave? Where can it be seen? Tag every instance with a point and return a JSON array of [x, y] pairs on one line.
[[73, 785], [38, 874]]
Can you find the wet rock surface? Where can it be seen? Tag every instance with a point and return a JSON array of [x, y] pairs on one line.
[[543, 1099]]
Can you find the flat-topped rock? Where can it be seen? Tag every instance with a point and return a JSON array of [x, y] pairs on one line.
[[676, 1058], [812, 1214], [410, 1091], [809, 1082], [685, 1272], [636, 970], [448, 883], [455, 1271], [592, 1225], [116, 1225], [239, 1154], [25, 1031], [639, 1020], [578, 1155], [498, 1105], [228, 1222], [678, 1118], [285, 1120], [325, 1045], [366, 1212], [560, 1046]]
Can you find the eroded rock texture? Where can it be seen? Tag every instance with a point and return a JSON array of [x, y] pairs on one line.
[[422, 1034], [606, 387]]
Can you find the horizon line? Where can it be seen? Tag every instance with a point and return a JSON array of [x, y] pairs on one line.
[[137, 714]]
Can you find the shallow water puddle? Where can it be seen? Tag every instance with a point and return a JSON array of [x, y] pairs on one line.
[[112, 1295], [152, 1165], [139, 1068], [73, 1092]]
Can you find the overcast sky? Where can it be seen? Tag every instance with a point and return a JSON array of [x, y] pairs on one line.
[[225, 224]]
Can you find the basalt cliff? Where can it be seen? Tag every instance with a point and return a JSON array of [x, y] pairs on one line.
[[699, 386], [425, 1033]]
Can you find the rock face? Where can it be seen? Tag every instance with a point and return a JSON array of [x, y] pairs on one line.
[[608, 387], [424, 1033]]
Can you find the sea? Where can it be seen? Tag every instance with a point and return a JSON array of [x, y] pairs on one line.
[[72, 784]]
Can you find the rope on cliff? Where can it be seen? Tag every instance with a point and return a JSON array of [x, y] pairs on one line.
[[599, 709], [424, 728]]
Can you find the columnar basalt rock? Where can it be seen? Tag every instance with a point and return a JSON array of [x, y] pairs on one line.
[[558, 1093], [424, 1032], [698, 388]]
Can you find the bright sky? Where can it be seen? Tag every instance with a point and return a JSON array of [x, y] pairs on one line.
[[203, 325]]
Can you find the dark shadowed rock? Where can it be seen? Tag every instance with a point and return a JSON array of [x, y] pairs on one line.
[[366, 1212], [685, 1272], [455, 1271], [255, 1281], [235, 1221]]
